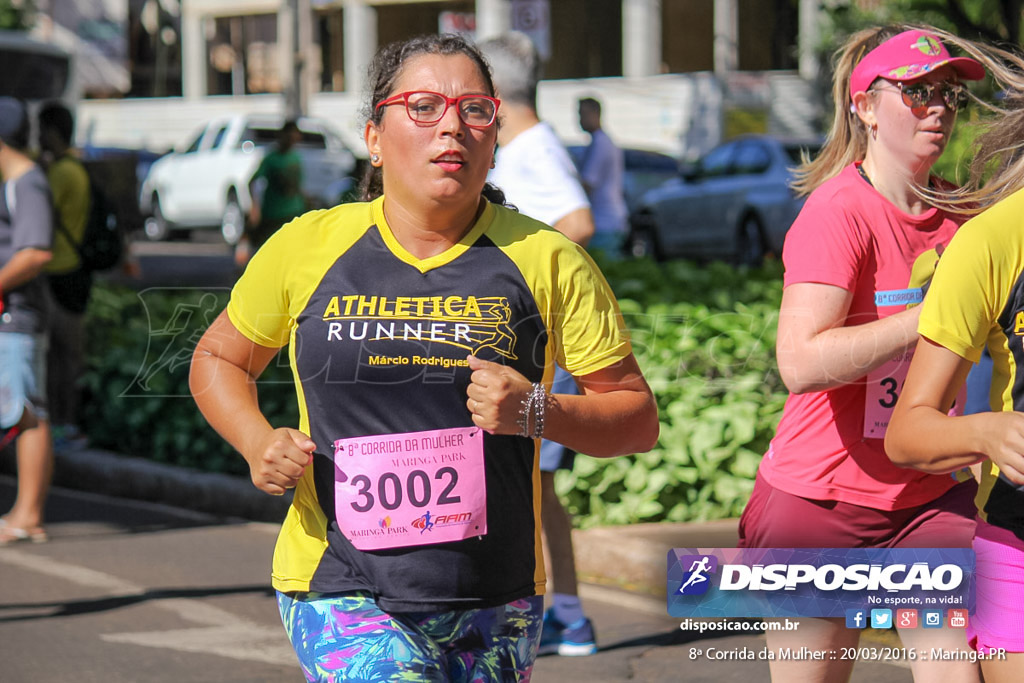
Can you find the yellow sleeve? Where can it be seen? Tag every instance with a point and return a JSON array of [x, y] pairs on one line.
[[588, 323], [259, 304], [972, 284], [280, 278], [585, 326]]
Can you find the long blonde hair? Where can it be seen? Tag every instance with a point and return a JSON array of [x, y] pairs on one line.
[[847, 140], [997, 162]]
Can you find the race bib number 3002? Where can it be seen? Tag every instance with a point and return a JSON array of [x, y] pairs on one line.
[[417, 488]]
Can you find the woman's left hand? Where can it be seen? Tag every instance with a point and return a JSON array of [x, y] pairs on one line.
[[495, 396]]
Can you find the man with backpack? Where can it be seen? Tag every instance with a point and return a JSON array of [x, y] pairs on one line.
[[70, 280]]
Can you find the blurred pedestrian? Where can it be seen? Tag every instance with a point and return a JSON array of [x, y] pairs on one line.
[[423, 326], [974, 302], [535, 172], [26, 238], [276, 191], [602, 170], [70, 283], [857, 261]]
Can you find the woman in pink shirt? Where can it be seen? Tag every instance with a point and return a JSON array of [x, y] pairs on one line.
[[857, 260]]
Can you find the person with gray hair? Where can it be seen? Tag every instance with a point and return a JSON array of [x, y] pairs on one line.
[[535, 172], [531, 164]]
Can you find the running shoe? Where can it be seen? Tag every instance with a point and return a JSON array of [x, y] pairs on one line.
[[572, 640]]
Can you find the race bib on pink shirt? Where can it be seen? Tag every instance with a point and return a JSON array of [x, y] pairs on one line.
[[884, 385], [412, 489]]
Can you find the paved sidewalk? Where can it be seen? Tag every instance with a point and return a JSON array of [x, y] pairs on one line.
[[623, 573]]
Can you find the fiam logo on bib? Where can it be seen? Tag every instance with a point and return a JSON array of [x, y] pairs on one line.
[[816, 582], [697, 579], [427, 521]]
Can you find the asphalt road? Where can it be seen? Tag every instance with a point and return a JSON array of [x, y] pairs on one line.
[[131, 592], [204, 260]]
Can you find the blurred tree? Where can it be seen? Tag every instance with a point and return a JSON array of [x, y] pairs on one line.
[[17, 15], [993, 20]]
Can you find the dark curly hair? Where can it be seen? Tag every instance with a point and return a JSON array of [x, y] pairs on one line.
[[385, 69]]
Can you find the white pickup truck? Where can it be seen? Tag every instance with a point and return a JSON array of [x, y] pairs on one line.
[[204, 184]]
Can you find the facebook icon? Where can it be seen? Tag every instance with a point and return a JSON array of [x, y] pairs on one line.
[[856, 618]]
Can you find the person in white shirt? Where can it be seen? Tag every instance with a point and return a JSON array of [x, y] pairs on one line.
[[535, 172]]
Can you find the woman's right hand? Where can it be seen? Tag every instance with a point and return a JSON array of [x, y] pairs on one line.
[[280, 459]]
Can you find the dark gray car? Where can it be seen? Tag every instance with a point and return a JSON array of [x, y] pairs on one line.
[[733, 204]]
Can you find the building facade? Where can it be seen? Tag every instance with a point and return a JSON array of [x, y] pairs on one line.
[[666, 70]]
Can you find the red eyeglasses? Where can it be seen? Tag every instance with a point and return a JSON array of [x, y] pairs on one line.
[[423, 106]]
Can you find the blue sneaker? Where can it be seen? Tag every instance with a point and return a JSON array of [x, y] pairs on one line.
[[573, 640]]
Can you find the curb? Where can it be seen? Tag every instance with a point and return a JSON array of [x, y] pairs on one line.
[[635, 557], [137, 478]]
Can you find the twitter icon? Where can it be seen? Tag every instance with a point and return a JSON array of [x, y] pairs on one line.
[[881, 618]]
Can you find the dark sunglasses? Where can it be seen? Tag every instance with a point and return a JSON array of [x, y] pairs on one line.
[[917, 95], [422, 106]]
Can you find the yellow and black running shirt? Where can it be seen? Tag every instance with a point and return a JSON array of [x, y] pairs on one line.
[[977, 298], [378, 341]]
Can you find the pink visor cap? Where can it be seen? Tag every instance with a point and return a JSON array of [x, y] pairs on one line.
[[907, 56]]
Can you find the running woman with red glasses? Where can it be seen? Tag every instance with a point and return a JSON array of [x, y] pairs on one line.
[[423, 329], [858, 259]]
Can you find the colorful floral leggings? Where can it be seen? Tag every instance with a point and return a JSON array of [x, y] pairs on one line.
[[346, 637]]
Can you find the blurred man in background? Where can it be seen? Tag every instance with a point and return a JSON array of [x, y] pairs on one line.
[[602, 169], [538, 178], [70, 283]]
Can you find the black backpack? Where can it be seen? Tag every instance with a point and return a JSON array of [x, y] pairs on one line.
[[102, 244]]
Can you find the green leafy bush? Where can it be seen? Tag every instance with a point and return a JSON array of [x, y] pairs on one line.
[[705, 338], [703, 334], [137, 401]]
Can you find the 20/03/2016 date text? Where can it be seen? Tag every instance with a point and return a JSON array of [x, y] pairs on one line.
[[909, 654]]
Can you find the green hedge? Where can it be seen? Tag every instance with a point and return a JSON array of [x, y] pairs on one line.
[[703, 334], [137, 401]]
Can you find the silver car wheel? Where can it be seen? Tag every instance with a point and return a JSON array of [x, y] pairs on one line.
[[155, 226], [643, 238], [642, 245], [232, 225]]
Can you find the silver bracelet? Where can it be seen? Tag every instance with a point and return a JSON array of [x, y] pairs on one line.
[[531, 415]]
